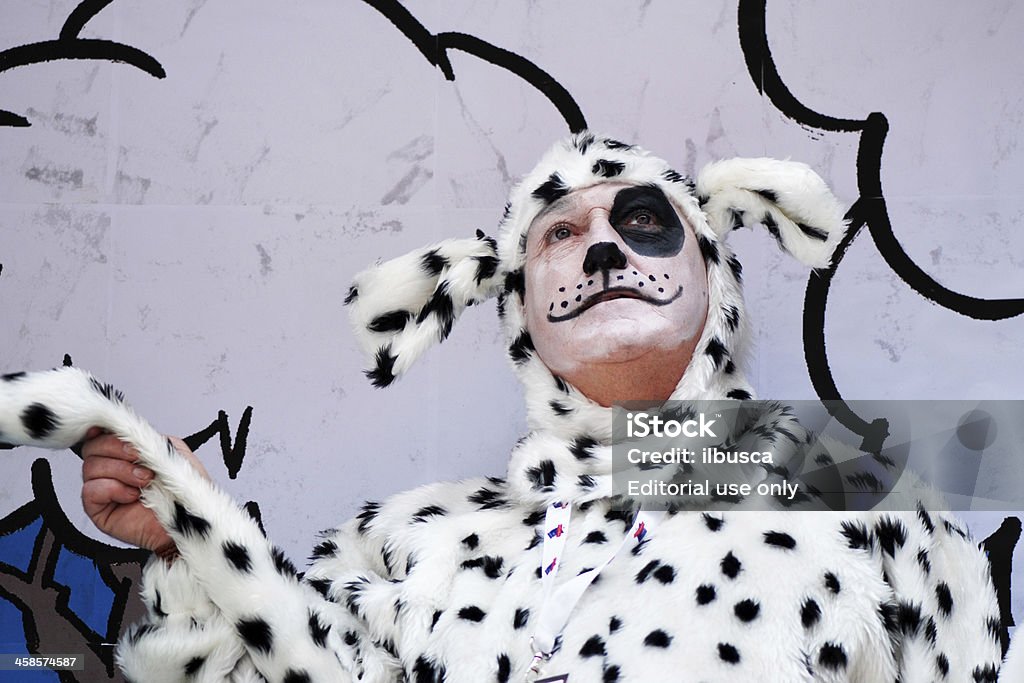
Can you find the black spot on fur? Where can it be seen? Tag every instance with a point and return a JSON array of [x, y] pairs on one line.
[[521, 348], [614, 624], [392, 321], [490, 564], [543, 475], [832, 582], [487, 499], [769, 195], [472, 613], [736, 267], [738, 394], [552, 189], [607, 169], [193, 665], [504, 668], [13, 376], [39, 421], [942, 664], [351, 638], [353, 293], [486, 267], [426, 671], [521, 617], [238, 556], [559, 409], [282, 564], [810, 613], [321, 586], [716, 350], [582, 142], [324, 549], [594, 647], [106, 390], [471, 541], [712, 523], [295, 676], [423, 513], [515, 281], [986, 674], [675, 177], [865, 481], [705, 594], [857, 536], [366, 515], [891, 534], [666, 574], [433, 262], [657, 638], [746, 610], [383, 373], [189, 524], [441, 306], [256, 633], [731, 566], [945, 598], [596, 537], [773, 228], [732, 317], [708, 249], [924, 561], [832, 656], [908, 618], [581, 447], [534, 518], [318, 630], [925, 518], [812, 232], [644, 573], [728, 653], [586, 482], [779, 539]]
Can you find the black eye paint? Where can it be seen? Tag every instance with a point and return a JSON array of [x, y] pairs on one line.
[[664, 240]]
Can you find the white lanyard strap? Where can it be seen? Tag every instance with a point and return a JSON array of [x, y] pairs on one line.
[[558, 603]]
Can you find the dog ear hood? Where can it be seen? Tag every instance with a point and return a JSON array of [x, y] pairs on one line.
[[789, 199], [402, 307]]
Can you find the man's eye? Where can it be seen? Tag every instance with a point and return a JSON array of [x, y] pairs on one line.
[[642, 218], [560, 233]]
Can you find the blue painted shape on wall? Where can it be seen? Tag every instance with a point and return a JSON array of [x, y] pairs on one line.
[[16, 548], [12, 641], [90, 598]]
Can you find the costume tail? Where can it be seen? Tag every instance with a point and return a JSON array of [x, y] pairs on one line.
[[226, 552]]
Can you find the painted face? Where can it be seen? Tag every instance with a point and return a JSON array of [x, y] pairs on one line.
[[612, 273]]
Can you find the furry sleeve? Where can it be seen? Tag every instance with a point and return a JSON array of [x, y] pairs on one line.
[[184, 637], [279, 620], [945, 612]]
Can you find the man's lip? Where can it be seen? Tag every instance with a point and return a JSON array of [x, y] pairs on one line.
[[611, 294]]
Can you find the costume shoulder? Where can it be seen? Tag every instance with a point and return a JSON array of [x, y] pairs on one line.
[[944, 604]]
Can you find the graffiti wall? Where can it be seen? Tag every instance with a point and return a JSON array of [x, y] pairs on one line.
[[187, 189]]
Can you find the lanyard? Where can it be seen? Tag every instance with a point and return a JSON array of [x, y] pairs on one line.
[[558, 603]]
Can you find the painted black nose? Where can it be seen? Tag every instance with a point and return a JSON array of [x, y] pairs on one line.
[[603, 256]]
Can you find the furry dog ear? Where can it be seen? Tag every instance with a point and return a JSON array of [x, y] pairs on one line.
[[788, 198], [402, 307]]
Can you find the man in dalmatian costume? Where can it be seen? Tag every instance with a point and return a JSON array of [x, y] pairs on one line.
[[614, 282]]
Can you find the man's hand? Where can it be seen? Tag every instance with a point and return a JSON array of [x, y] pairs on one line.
[[111, 486]]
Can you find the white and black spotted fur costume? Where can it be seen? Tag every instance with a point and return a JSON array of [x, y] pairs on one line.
[[441, 583]]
